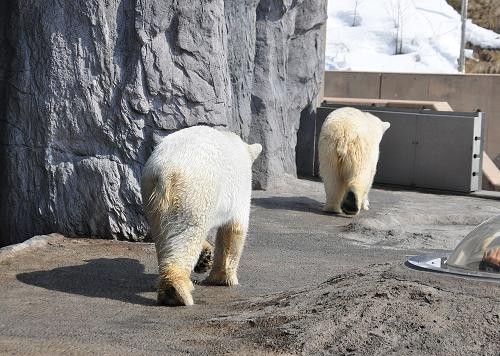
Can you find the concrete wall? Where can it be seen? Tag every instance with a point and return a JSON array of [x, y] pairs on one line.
[[468, 92]]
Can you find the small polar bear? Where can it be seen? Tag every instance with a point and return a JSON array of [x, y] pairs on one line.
[[348, 154], [196, 179]]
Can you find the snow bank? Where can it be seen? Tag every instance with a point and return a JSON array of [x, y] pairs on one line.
[[398, 36]]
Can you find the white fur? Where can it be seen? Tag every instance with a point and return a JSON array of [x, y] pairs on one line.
[[197, 179], [348, 155]]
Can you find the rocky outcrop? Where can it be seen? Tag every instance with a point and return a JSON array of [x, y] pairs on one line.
[[88, 88]]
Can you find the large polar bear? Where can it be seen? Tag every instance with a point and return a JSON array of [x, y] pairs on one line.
[[196, 179], [348, 155]]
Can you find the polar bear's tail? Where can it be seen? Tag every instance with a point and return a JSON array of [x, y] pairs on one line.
[[350, 153], [164, 193], [161, 198]]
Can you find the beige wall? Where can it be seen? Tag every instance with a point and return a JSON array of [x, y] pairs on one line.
[[468, 92]]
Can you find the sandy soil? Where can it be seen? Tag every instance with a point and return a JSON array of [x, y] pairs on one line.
[[311, 283], [381, 309]]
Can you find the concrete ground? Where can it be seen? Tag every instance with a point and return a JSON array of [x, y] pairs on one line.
[[310, 283]]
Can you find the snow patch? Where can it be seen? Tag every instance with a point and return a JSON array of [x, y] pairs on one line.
[[398, 36]]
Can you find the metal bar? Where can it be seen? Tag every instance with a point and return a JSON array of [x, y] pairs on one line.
[[461, 59]]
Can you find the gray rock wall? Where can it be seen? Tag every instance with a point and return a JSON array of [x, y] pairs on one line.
[[87, 88]]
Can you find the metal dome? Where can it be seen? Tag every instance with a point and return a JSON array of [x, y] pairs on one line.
[[477, 255]]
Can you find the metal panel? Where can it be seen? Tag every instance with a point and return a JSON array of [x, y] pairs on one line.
[[396, 166], [423, 148], [477, 151], [444, 152]]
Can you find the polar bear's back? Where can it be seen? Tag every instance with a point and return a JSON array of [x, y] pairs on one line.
[[202, 150], [349, 140], [209, 171], [351, 122]]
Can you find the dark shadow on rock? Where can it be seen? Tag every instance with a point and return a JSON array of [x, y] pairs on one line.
[[112, 278], [304, 204]]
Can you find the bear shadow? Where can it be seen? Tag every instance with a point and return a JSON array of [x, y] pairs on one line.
[[302, 204], [121, 279]]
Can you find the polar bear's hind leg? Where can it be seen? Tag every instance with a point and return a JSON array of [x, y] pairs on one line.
[[205, 259], [178, 251], [174, 286], [228, 247], [334, 190]]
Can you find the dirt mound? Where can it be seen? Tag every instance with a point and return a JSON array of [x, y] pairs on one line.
[[411, 231], [383, 308]]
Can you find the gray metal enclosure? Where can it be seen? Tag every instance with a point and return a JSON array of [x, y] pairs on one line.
[[422, 149]]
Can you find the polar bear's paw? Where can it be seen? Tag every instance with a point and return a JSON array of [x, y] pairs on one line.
[[332, 209], [366, 204], [205, 260], [221, 279], [170, 297], [174, 287]]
